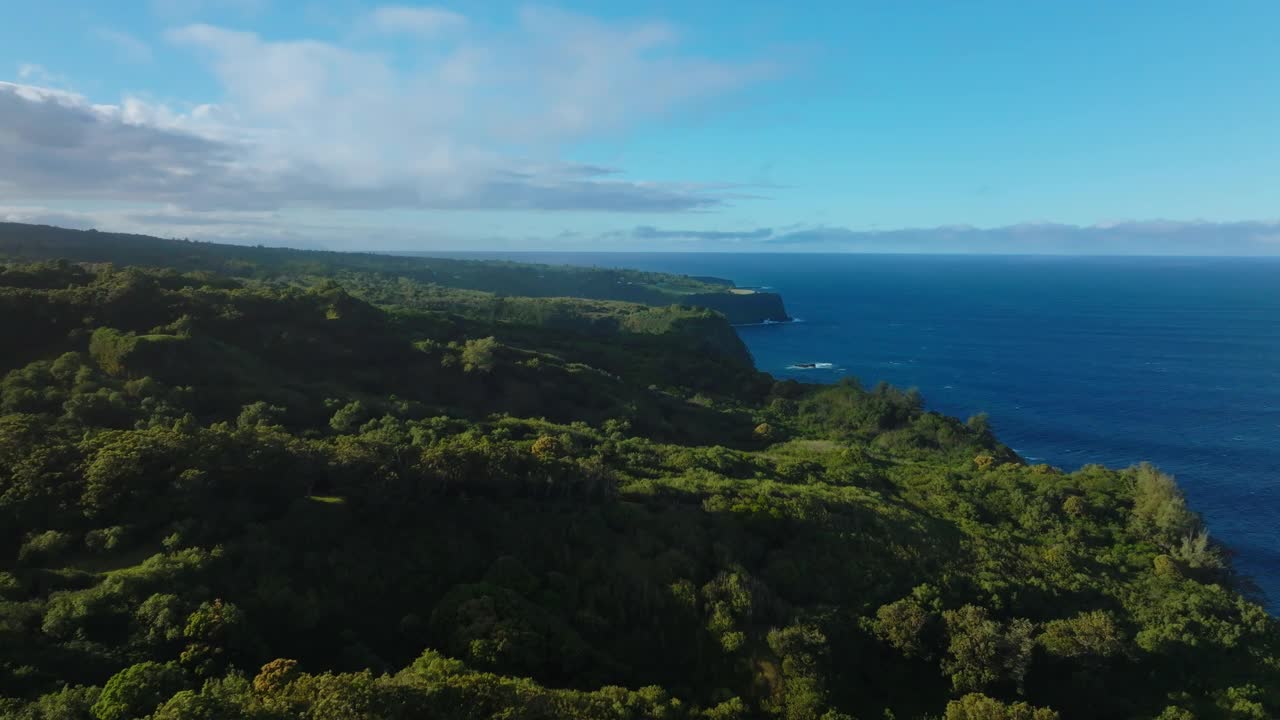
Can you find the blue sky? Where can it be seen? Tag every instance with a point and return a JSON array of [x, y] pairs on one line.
[[1149, 127]]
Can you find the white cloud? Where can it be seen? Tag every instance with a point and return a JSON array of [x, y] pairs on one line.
[[647, 232], [34, 73], [426, 21], [45, 216], [174, 222], [171, 9], [589, 76], [128, 47], [310, 124], [56, 144], [1125, 237]]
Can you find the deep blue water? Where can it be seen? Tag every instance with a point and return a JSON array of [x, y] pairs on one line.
[[1077, 360]]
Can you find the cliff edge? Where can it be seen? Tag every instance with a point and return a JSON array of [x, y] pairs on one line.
[[743, 307]]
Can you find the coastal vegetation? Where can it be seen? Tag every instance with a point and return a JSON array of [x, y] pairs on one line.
[[270, 484], [427, 277]]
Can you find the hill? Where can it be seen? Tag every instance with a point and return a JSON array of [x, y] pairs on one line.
[[269, 491], [43, 242]]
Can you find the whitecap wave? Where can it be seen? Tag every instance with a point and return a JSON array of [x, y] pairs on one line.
[[812, 366], [767, 321]]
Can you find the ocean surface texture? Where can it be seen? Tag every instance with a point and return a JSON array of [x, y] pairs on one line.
[[1076, 360]]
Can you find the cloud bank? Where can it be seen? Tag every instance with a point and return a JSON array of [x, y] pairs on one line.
[[646, 232], [462, 119], [1151, 237], [426, 21]]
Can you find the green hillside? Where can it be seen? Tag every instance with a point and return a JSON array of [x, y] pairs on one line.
[[249, 483], [41, 242]]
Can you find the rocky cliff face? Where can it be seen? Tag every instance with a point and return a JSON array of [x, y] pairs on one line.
[[743, 309]]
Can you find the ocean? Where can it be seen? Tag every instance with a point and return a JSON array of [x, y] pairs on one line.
[[1077, 360]]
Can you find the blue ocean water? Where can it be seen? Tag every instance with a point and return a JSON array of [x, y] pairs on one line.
[[1077, 360]]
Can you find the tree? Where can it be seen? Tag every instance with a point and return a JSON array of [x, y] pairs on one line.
[[223, 698], [161, 617], [980, 707], [260, 413], [1198, 552], [802, 650], [547, 447], [275, 676], [982, 652], [1159, 508], [1075, 506], [349, 417], [973, 659], [1092, 634], [45, 546], [905, 625], [730, 601], [110, 349], [212, 631], [69, 703], [137, 690], [480, 355]]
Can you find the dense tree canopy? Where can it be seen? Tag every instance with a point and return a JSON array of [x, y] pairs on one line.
[[336, 493]]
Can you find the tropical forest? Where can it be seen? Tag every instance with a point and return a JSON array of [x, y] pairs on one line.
[[245, 482]]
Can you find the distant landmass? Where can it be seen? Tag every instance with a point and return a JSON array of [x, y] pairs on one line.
[[42, 242]]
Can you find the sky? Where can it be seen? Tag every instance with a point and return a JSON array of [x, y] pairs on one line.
[[1084, 127]]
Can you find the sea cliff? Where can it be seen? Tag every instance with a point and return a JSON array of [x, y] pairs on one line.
[[744, 307]]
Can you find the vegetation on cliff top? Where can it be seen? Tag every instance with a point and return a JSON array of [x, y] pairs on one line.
[[350, 494], [492, 278]]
